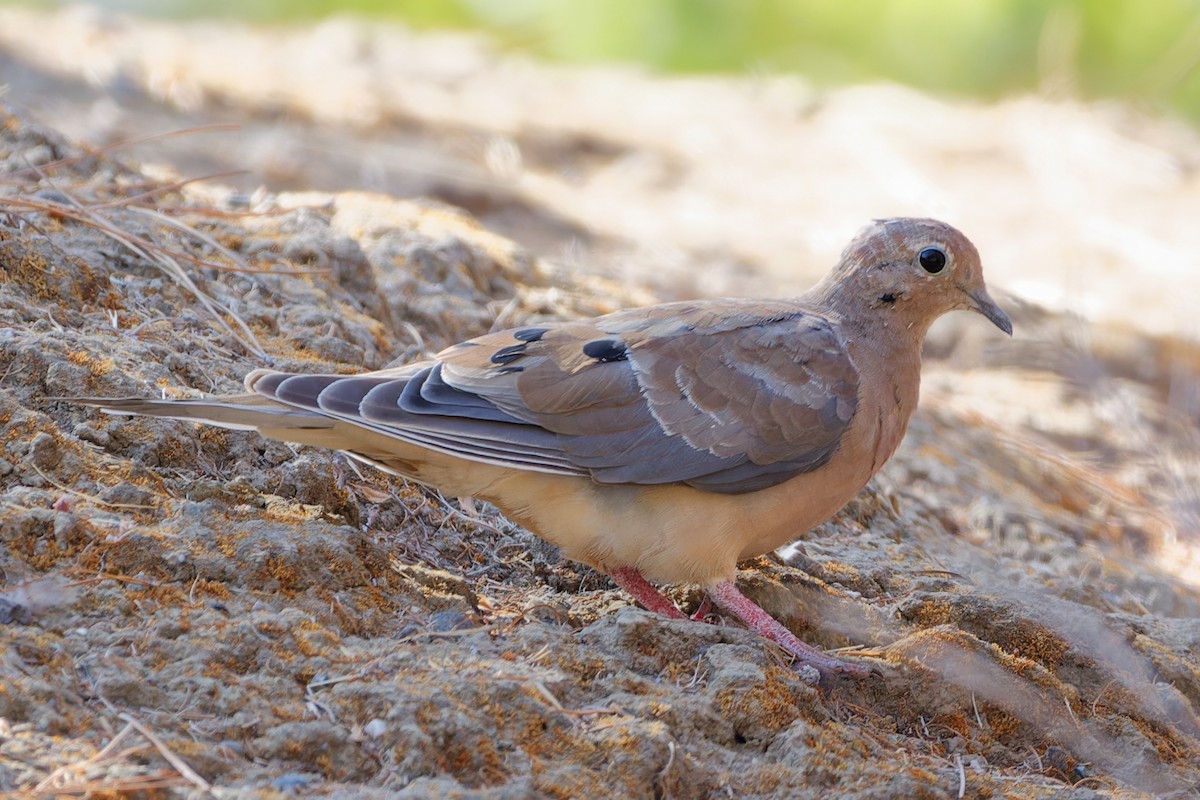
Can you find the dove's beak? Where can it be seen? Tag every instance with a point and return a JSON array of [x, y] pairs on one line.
[[984, 304]]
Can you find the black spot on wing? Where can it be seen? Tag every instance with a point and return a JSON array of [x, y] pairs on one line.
[[507, 354], [604, 350], [529, 334]]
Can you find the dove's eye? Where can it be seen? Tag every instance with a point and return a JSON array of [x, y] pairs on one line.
[[932, 260]]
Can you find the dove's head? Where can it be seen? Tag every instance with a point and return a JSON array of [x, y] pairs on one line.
[[912, 271]]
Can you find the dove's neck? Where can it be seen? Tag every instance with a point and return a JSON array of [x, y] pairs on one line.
[[884, 340], [889, 352], [890, 326]]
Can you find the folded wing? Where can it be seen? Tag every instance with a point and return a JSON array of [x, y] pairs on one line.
[[726, 396]]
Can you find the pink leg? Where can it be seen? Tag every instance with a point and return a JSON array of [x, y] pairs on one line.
[[629, 579], [728, 598]]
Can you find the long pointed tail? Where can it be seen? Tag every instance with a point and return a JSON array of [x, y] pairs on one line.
[[254, 412], [246, 412]]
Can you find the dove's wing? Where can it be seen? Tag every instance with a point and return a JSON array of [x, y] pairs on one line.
[[726, 396]]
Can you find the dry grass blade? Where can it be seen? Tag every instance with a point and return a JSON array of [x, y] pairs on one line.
[[165, 259], [242, 266], [54, 783], [167, 187], [77, 213], [88, 497], [100, 773], [175, 761], [169, 265], [114, 787]]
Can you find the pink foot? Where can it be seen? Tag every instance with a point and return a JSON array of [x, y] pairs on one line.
[[728, 598], [629, 579], [706, 607]]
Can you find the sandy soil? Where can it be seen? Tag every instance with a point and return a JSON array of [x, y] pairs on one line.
[[189, 611]]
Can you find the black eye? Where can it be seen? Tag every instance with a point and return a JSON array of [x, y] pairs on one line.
[[932, 260]]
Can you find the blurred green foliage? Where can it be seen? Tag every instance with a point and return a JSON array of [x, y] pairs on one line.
[[1146, 50]]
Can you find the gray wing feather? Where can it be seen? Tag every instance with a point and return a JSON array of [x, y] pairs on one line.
[[728, 396], [395, 407]]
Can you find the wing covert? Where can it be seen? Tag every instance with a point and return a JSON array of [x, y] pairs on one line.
[[727, 396]]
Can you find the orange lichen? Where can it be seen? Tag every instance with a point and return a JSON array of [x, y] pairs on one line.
[[1169, 745], [933, 611], [312, 639], [227, 544], [837, 572], [1033, 641], [770, 704], [159, 594], [1001, 723], [474, 763], [31, 270], [209, 588], [212, 436], [96, 366]]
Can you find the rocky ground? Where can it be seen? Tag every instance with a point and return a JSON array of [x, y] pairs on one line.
[[188, 610]]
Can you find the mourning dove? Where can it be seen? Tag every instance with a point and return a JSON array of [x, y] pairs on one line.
[[660, 444]]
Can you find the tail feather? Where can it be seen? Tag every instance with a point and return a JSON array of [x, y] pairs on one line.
[[362, 440], [244, 412], [273, 420]]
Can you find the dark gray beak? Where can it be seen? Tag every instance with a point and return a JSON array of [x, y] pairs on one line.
[[984, 304]]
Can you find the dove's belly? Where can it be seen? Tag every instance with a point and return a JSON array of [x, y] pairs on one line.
[[677, 534], [671, 534]]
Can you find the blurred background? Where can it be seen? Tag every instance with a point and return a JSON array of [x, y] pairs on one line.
[[1147, 52]]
